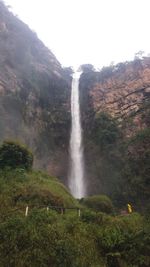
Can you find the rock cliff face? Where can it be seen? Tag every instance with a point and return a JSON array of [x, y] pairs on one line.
[[119, 90], [123, 93], [34, 95]]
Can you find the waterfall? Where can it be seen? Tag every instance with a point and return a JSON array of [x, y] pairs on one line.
[[76, 177]]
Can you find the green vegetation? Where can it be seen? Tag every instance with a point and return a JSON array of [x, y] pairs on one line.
[[137, 169], [105, 130], [34, 106], [103, 144], [120, 165], [15, 155], [98, 203], [48, 238], [20, 188]]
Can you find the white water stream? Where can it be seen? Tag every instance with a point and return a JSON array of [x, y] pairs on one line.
[[76, 177]]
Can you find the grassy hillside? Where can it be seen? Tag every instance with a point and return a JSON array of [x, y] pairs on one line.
[[19, 188], [47, 238]]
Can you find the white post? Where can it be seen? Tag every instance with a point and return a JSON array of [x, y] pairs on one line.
[[79, 212], [26, 212], [47, 208]]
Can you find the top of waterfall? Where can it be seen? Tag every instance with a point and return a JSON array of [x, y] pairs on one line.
[[77, 74]]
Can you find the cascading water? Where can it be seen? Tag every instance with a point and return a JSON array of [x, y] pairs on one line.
[[76, 177]]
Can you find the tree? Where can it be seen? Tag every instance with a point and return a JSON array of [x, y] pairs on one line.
[[15, 155], [87, 68]]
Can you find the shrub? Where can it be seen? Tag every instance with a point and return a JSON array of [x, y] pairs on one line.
[[98, 203], [124, 239], [43, 239], [90, 216], [15, 155]]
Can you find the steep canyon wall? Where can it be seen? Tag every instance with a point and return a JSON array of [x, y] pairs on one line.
[[122, 92], [34, 95]]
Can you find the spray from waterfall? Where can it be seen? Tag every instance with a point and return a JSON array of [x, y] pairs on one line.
[[76, 177]]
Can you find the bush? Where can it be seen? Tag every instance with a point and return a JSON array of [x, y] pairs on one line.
[[44, 239], [15, 155], [98, 203], [125, 239], [90, 216]]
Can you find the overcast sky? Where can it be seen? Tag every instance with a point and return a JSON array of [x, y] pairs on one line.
[[88, 31]]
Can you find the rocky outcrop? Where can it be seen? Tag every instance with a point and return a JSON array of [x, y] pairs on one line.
[[119, 90]]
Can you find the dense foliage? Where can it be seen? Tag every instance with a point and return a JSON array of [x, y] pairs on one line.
[[98, 203], [120, 153], [105, 131], [48, 238], [136, 172], [15, 155], [19, 188]]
